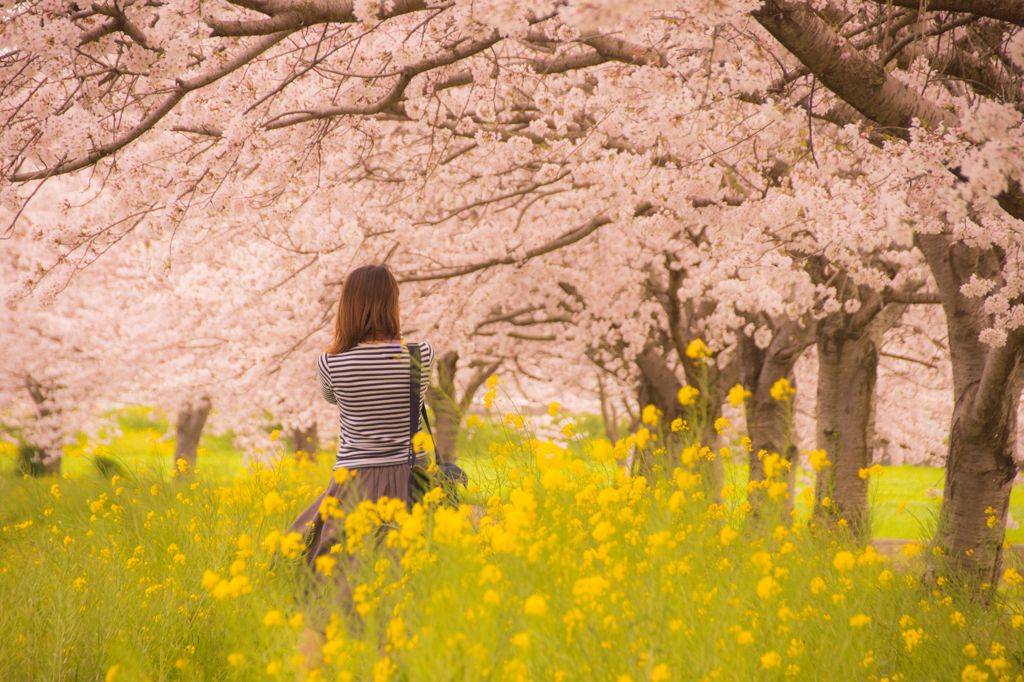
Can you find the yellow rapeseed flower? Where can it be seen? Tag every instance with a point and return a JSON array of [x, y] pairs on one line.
[[535, 606], [818, 459], [737, 394], [521, 640], [602, 531], [383, 669], [763, 561], [661, 673], [112, 672], [972, 674], [781, 389], [696, 349], [860, 620], [727, 535], [767, 587], [771, 660], [422, 442], [273, 617], [687, 395], [272, 502], [1012, 577], [844, 561], [553, 409], [325, 564], [490, 574], [650, 414]]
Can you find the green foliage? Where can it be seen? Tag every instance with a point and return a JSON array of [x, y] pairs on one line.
[[30, 460], [108, 467]]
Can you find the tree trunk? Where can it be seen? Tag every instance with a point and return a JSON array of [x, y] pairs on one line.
[[191, 421], [848, 347], [307, 441], [979, 479], [770, 421], [659, 386], [982, 434], [49, 425], [448, 409], [608, 414], [847, 370]]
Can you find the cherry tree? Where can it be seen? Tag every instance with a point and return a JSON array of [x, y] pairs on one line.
[[459, 134]]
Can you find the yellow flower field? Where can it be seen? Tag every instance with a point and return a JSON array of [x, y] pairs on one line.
[[578, 573]]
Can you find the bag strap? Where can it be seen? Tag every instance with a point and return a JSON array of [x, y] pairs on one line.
[[415, 366]]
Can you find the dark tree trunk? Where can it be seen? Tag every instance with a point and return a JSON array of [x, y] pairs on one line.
[[191, 421], [659, 386], [769, 421], [307, 441], [848, 348], [986, 392], [847, 370]]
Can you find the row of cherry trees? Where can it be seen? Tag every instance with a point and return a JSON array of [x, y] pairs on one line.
[[186, 184]]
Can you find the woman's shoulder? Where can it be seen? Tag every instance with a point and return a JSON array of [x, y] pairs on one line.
[[426, 350]]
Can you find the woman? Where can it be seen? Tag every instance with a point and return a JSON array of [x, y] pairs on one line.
[[367, 372]]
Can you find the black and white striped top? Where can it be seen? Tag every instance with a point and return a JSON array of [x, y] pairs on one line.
[[370, 386]]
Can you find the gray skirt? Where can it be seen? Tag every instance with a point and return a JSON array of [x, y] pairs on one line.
[[368, 484]]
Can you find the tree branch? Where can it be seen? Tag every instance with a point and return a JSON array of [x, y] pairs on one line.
[[847, 72], [566, 239], [907, 358], [474, 384], [183, 88], [394, 95], [1011, 11], [291, 16], [913, 298], [862, 83]]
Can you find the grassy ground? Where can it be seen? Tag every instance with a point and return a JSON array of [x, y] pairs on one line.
[[900, 505], [574, 576]]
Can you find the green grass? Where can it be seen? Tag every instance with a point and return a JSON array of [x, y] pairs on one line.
[[141, 448], [572, 577]]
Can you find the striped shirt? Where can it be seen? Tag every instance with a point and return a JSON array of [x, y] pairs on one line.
[[370, 385]]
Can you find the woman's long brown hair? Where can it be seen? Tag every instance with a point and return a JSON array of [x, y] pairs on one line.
[[368, 308]]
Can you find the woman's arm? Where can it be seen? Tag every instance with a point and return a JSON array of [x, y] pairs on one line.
[[324, 379]]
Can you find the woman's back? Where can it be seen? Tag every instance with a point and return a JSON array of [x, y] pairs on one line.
[[370, 385]]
